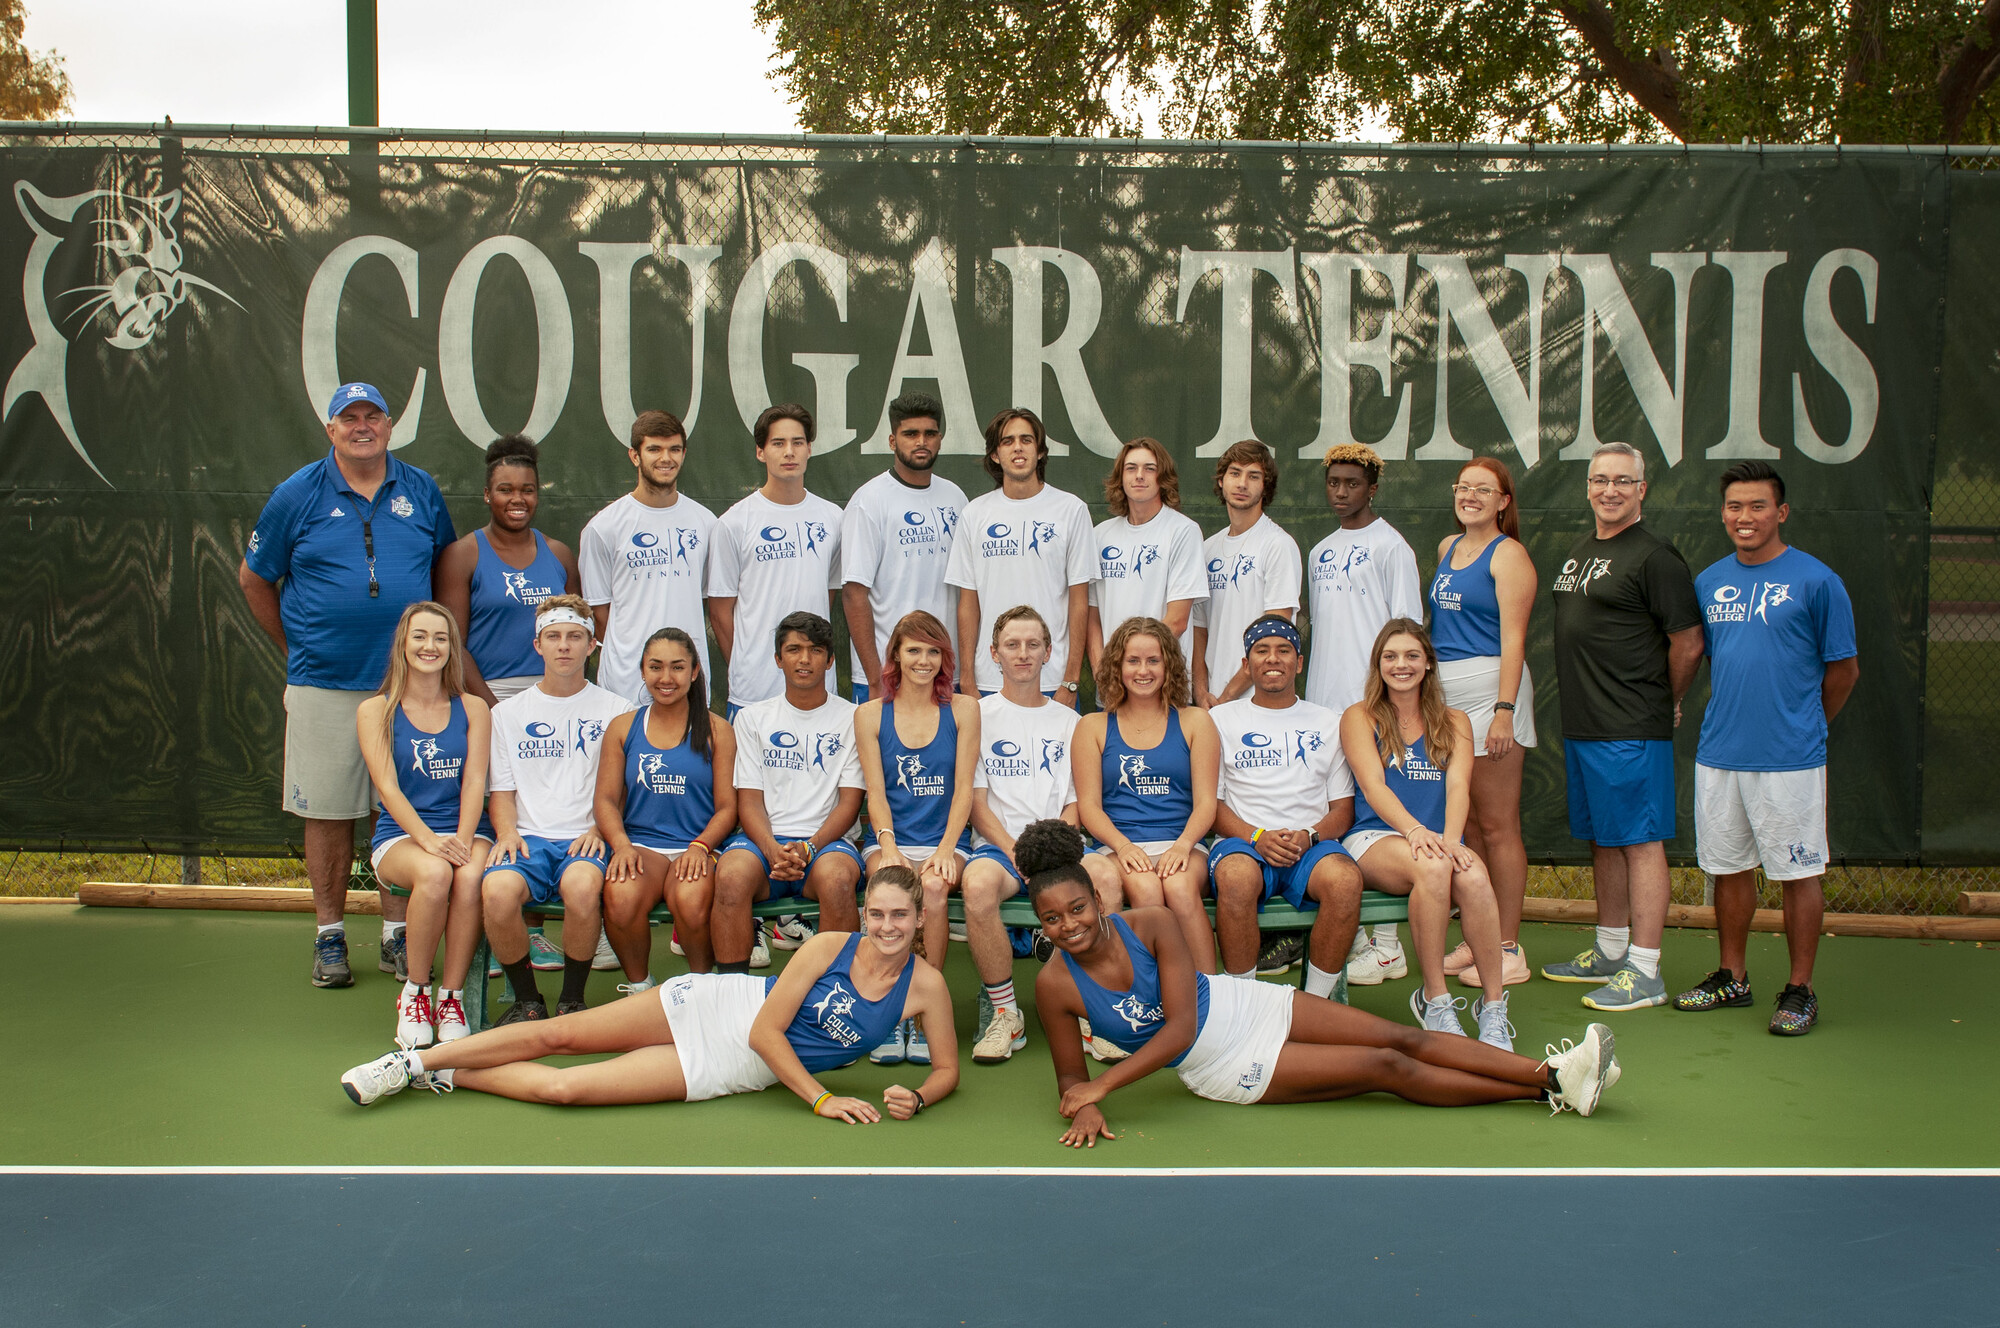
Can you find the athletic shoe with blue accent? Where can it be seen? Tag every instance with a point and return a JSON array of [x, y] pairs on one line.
[[395, 957], [1797, 1012], [1629, 989], [1719, 990], [1593, 965], [543, 956], [1582, 1072], [1494, 1030], [917, 1048], [330, 960], [1438, 1014], [379, 1078], [894, 1049]]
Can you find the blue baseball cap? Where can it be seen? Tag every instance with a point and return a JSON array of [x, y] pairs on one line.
[[348, 393]]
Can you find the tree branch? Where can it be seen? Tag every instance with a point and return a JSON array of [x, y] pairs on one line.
[[1971, 70], [1653, 82]]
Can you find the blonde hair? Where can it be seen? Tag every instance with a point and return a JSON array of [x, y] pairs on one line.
[[1111, 665], [574, 603], [396, 682], [1354, 454], [1439, 737]]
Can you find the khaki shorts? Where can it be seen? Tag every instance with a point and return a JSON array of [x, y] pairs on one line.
[[325, 777]]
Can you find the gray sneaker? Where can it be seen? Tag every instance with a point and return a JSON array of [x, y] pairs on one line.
[[330, 960], [1439, 1014], [395, 956], [1494, 1030], [1629, 989], [1592, 966]]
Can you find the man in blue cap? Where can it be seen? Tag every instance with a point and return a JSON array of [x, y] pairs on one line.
[[340, 550]]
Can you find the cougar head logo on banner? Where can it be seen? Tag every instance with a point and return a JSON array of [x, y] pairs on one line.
[[140, 260]]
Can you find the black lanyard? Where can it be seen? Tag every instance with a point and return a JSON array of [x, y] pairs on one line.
[[368, 544]]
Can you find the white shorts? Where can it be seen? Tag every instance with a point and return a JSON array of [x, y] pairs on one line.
[[1360, 841], [325, 777], [710, 1015], [1152, 849], [375, 858], [1473, 685], [1776, 819], [671, 852], [916, 854], [1234, 1056], [505, 688]]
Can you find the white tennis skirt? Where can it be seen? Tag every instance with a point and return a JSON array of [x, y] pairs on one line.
[[1236, 1052], [1473, 685], [710, 1015]]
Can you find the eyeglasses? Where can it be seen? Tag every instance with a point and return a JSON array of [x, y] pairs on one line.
[[1474, 490], [1618, 482]]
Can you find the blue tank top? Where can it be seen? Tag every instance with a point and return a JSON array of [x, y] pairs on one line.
[[835, 1027], [1465, 607], [669, 792], [921, 781], [1148, 795], [1417, 784], [1128, 1019], [502, 639], [428, 770]]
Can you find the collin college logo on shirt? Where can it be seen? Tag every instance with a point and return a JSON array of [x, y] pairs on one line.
[[830, 1012], [1574, 578], [1132, 775], [656, 778], [1732, 604], [1446, 599], [1137, 1013], [1340, 563], [910, 775], [521, 592], [675, 553], [920, 533], [1112, 564], [402, 506], [1005, 758], [1262, 751], [424, 760], [784, 751], [1415, 767], [541, 740], [776, 543], [1222, 574], [1002, 541]]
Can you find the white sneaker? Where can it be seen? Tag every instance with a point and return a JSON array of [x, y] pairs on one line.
[[674, 941], [956, 931], [379, 1078], [1006, 1033], [1102, 1049], [1494, 1030], [1439, 1014], [606, 958], [414, 1020], [634, 988], [451, 1025], [1583, 1071], [1375, 965], [760, 949], [791, 931]]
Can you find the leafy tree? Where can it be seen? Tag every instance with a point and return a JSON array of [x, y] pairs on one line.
[[30, 88], [1865, 71]]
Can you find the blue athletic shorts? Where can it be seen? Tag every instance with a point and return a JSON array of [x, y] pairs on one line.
[[544, 866], [1287, 881], [857, 692], [787, 889], [1620, 792]]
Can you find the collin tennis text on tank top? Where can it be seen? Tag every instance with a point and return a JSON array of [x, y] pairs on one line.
[[1465, 605], [834, 1025], [1417, 784]]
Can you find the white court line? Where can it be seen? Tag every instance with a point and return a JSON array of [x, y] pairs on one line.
[[1079, 1172]]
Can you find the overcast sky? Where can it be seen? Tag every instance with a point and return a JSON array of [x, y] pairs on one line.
[[662, 65]]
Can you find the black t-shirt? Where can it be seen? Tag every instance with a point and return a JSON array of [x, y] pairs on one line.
[[1616, 602]]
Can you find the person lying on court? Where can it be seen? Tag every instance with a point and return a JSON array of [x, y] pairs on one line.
[[704, 1035], [1240, 1040]]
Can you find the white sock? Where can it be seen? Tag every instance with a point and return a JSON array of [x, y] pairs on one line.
[[340, 927], [1646, 961], [413, 988], [415, 1060], [1319, 982], [391, 930], [451, 993], [1250, 973], [1385, 936], [1612, 942]]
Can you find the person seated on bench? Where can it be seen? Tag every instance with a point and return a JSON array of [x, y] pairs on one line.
[[1145, 771], [425, 741], [917, 742], [705, 1035], [1023, 775], [1238, 1040], [1285, 801], [664, 805], [1412, 760], [544, 775], [798, 790]]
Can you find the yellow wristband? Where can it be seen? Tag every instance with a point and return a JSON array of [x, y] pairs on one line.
[[1256, 835], [820, 1099]]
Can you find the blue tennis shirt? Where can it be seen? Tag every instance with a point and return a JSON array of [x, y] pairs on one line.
[[310, 538], [1771, 630]]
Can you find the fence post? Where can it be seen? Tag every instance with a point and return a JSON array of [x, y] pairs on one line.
[[190, 869]]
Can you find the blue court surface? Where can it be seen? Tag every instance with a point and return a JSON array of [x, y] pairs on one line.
[[1626, 1249]]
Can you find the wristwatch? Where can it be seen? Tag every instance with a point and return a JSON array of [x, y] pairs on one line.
[[1503, 705], [1067, 686], [1312, 836]]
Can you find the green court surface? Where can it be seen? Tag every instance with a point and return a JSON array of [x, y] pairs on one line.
[[165, 1038]]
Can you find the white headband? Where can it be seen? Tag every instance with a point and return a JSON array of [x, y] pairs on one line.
[[555, 617]]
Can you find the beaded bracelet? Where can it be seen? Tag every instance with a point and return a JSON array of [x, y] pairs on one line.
[[821, 1099]]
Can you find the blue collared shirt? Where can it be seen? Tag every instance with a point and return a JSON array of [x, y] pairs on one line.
[[310, 538]]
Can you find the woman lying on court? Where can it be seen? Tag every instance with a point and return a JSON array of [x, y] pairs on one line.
[[1237, 1039], [704, 1035]]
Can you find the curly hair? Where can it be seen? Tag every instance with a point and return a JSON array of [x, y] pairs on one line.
[[1249, 452], [1170, 477], [1354, 454], [1438, 736], [1111, 664], [919, 626], [1050, 853]]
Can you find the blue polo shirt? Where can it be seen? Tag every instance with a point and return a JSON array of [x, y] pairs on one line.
[[1771, 630], [310, 537]]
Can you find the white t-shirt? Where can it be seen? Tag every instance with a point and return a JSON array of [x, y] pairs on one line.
[[1249, 575], [1023, 762], [1280, 768], [650, 564], [1357, 580], [799, 760], [1141, 568], [545, 751], [775, 560], [896, 540], [1023, 551]]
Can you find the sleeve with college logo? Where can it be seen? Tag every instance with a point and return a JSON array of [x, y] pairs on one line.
[[269, 551], [799, 760], [1280, 768]]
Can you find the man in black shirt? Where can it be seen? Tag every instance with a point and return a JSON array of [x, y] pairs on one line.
[[1628, 641]]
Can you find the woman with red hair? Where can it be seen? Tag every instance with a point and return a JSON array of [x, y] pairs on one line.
[[918, 742]]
